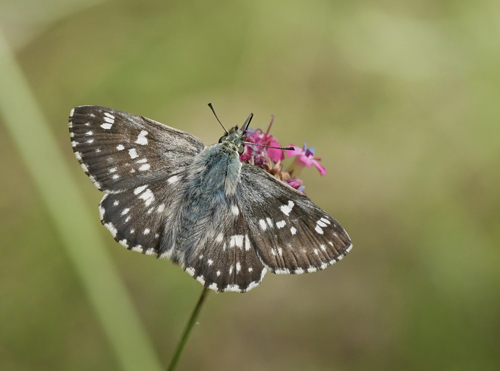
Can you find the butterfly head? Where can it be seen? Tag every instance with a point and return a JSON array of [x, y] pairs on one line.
[[235, 137]]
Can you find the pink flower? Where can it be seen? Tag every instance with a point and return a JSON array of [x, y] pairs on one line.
[[297, 184], [270, 159], [259, 154], [304, 157]]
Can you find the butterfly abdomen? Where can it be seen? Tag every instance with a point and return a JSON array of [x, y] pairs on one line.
[[211, 184]]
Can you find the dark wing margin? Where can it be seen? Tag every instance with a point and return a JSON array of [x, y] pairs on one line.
[[118, 150], [289, 232]]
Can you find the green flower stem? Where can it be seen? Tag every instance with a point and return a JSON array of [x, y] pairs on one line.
[[187, 330]]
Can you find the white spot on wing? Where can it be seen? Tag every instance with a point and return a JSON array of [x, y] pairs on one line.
[[269, 222], [219, 238], [235, 210], [106, 126], [318, 229], [137, 248], [160, 208], [147, 230], [120, 147], [247, 243], [238, 267], [236, 240], [85, 168], [140, 189], [172, 179], [133, 153], [325, 220], [232, 288], [147, 196], [125, 211], [190, 271], [293, 230], [286, 209], [263, 224], [321, 223], [282, 271], [280, 224], [111, 228], [78, 156], [145, 167], [141, 139]]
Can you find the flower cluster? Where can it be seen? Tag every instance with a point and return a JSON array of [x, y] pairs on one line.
[[270, 159]]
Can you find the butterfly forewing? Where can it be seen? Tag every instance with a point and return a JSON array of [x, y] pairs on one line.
[[291, 234], [119, 150]]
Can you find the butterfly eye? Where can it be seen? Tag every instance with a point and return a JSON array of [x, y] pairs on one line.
[[241, 149]]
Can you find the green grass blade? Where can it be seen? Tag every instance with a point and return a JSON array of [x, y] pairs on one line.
[[72, 217]]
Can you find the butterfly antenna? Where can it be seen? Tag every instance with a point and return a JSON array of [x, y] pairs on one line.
[[263, 145], [247, 122], [213, 110]]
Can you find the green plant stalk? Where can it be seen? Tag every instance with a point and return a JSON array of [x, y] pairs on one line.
[[74, 222], [187, 330]]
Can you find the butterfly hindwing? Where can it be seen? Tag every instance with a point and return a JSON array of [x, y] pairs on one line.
[[118, 150], [225, 260], [140, 218], [291, 233]]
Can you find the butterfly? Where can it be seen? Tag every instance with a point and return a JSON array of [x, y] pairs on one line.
[[225, 222]]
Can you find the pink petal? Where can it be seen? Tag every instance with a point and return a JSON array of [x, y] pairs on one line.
[[275, 154], [306, 160], [320, 167], [296, 152]]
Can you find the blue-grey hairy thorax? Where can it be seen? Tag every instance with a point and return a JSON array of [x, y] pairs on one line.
[[225, 222]]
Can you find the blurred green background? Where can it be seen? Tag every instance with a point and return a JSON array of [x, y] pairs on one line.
[[401, 100]]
